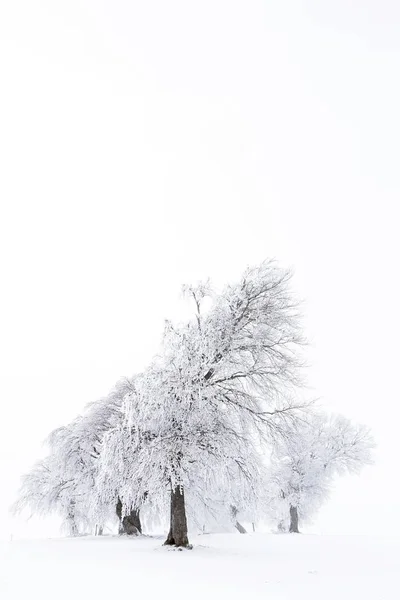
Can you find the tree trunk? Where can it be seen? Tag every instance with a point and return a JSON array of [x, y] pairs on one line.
[[239, 527], [129, 524], [178, 532], [294, 520], [281, 527], [72, 526]]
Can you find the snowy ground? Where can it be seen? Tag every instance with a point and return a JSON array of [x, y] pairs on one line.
[[220, 566]]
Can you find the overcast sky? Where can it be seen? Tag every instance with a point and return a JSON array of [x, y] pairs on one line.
[[145, 144]]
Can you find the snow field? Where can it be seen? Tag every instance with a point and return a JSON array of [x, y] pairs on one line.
[[220, 566]]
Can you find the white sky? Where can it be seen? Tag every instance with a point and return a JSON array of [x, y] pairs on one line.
[[147, 144]]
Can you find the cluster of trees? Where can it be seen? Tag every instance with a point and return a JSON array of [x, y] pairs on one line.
[[209, 431]]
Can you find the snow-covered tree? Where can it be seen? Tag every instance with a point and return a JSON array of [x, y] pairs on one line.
[[304, 462], [66, 482], [47, 490], [204, 407]]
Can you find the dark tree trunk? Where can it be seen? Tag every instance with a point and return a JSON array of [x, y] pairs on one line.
[[294, 520], [129, 524], [178, 532], [239, 527]]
